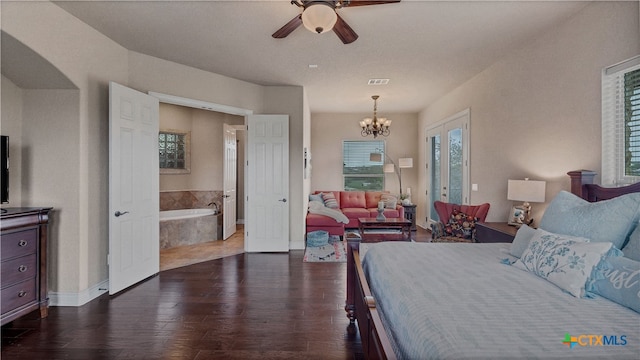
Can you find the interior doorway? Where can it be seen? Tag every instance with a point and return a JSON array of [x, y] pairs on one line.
[[206, 182]]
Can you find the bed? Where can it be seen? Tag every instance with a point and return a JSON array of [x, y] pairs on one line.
[[457, 301]]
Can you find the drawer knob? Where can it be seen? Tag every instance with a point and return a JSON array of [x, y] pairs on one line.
[[22, 293], [22, 243], [22, 268]]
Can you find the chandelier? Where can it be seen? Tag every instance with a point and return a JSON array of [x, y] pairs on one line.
[[375, 126]]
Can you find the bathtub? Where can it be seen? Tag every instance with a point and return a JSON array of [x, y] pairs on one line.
[[189, 227], [184, 214]]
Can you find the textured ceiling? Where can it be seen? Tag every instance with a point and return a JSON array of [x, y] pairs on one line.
[[425, 48]]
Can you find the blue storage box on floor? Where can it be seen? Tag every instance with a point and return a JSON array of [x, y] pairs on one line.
[[317, 238]]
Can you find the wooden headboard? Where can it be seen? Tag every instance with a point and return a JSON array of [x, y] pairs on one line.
[[583, 186]]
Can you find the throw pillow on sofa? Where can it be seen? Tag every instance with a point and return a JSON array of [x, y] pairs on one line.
[[316, 197], [330, 200], [390, 201]]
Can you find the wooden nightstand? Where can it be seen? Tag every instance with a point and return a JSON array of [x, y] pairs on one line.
[[492, 232]]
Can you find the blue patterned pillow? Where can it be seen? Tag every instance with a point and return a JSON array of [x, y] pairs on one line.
[[632, 249], [604, 221], [565, 261], [618, 279], [316, 197]]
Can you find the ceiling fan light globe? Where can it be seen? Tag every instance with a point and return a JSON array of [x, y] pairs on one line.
[[319, 17]]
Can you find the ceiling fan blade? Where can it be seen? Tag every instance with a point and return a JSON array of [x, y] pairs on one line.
[[367, 2], [288, 27], [344, 31]]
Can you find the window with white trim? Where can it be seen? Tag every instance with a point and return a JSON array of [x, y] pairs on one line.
[[174, 151], [359, 171], [621, 123]]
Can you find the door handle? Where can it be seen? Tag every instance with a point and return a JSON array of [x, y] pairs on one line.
[[226, 196], [118, 213], [283, 200]]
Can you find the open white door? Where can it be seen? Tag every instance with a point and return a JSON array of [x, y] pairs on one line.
[[134, 245], [230, 174], [267, 225]]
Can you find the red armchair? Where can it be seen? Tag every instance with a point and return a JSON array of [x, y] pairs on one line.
[[461, 226]]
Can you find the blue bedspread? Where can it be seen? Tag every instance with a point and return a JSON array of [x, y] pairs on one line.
[[458, 301]]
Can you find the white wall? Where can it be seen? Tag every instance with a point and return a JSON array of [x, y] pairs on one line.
[[11, 125], [536, 113], [329, 130], [90, 60], [49, 164], [207, 146], [290, 100]]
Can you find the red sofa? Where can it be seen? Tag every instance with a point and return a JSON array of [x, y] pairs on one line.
[[354, 205]]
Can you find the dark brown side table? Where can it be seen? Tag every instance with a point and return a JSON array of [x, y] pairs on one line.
[[495, 232], [410, 214]]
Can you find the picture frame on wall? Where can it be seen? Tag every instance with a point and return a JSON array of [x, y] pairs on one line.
[[516, 216]]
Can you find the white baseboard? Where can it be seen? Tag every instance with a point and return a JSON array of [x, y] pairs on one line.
[[78, 299], [296, 245]]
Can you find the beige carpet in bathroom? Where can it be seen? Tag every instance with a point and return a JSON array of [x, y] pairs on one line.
[[192, 254]]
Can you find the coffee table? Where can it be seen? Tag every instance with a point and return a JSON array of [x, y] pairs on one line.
[[389, 229]]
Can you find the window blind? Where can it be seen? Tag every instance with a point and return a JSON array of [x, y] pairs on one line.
[[621, 123], [359, 171]]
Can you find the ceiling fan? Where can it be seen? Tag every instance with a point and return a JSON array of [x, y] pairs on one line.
[[320, 16]]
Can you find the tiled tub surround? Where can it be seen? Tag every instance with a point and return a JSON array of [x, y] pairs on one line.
[[188, 227], [190, 199], [179, 230]]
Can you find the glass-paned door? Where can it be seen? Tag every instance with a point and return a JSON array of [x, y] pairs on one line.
[[434, 168], [448, 165]]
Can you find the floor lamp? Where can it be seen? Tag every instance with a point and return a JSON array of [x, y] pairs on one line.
[[403, 163]]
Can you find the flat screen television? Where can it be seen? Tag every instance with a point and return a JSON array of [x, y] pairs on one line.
[[4, 164]]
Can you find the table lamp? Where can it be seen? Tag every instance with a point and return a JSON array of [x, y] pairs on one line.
[[527, 191]]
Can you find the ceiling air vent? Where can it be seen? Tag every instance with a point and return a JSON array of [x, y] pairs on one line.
[[378, 81]]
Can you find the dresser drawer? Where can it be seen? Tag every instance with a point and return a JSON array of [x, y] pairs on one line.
[[18, 295], [19, 269], [19, 243]]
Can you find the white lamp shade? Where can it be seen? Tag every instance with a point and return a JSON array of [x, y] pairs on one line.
[[319, 17], [405, 163], [526, 190], [388, 168]]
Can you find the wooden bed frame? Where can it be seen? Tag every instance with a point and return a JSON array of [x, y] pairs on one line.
[[361, 306]]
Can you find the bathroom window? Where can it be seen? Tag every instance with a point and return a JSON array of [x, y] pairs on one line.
[[174, 148]]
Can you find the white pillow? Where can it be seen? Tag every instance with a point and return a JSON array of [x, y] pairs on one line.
[[390, 201], [521, 241], [563, 260]]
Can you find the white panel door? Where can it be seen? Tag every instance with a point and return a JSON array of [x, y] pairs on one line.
[[134, 245], [229, 174], [267, 225]]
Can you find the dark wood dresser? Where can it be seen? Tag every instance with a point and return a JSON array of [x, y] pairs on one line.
[[23, 281]]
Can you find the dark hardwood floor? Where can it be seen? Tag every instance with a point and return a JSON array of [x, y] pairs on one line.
[[247, 306]]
